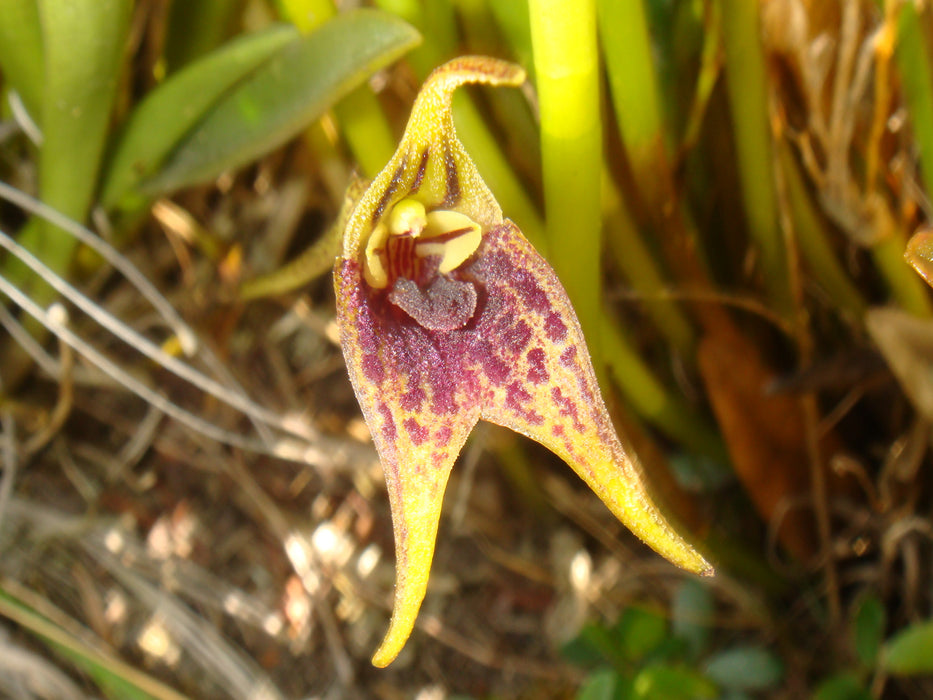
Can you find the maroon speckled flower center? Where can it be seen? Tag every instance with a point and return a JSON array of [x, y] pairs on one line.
[[420, 269]]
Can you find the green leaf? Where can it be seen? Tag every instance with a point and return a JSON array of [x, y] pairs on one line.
[[745, 668], [21, 57], [281, 98], [83, 42], [692, 614], [174, 108], [844, 686], [868, 629], [910, 651], [600, 685], [664, 682], [639, 631], [594, 645]]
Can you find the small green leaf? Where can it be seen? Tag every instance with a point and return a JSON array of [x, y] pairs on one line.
[[745, 668], [692, 614], [600, 685], [594, 645], [285, 95], [910, 651], [844, 686], [667, 682], [639, 631], [170, 111], [868, 629]]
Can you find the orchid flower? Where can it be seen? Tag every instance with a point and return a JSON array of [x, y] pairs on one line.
[[447, 316]]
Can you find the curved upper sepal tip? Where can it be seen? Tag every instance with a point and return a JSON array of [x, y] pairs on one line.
[[704, 568]]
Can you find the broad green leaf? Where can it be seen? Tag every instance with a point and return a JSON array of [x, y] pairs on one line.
[[173, 109], [639, 631], [84, 42], [281, 98], [745, 668], [692, 614], [593, 646], [665, 682], [910, 651], [844, 686], [868, 629], [600, 685], [21, 59]]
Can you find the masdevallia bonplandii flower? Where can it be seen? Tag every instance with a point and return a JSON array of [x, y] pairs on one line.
[[447, 316]]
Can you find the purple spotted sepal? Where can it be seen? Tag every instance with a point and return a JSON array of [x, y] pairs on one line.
[[448, 315]]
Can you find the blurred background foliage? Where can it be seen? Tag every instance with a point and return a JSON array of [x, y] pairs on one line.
[[733, 193]]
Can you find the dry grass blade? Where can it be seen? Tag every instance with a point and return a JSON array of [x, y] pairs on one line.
[[298, 430], [29, 204], [10, 461], [55, 634], [186, 336], [137, 340], [23, 672], [238, 675], [134, 385]]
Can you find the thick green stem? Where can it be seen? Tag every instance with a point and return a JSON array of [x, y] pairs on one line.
[[563, 34]]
